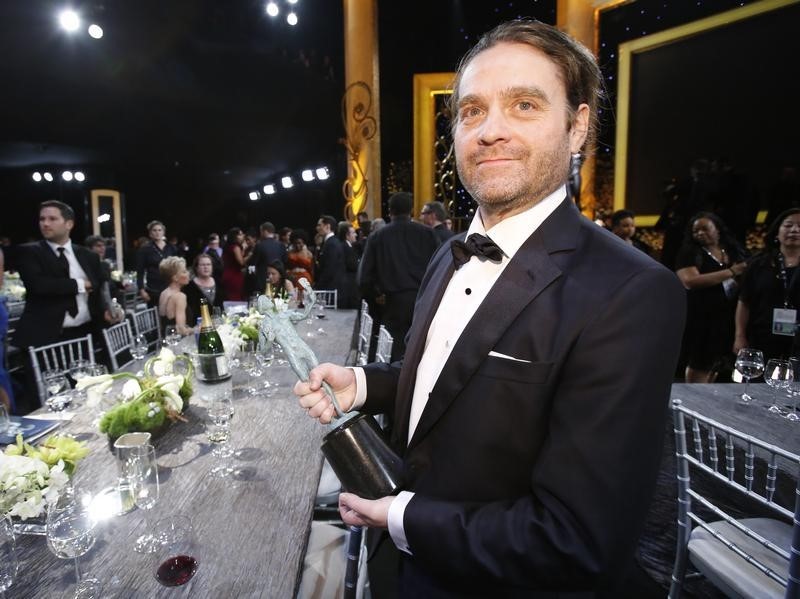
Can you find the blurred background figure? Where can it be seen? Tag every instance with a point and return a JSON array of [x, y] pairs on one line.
[[172, 301], [149, 256], [233, 265], [623, 225], [433, 215], [6, 392], [346, 234], [202, 286], [299, 261]]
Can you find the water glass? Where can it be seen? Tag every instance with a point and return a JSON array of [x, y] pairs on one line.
[[218, 431], [750, 364], [139, 347], [172, 336], [143, 469], [8, 555], [778, 375], [79, 369], [175, 561], [57, 386], [97, 369]]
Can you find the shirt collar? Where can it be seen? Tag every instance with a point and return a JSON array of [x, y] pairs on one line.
[[510, 233], [67, 246], [328, 236]]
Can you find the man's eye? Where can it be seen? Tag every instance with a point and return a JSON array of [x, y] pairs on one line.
[[525, 105], [470, 112]]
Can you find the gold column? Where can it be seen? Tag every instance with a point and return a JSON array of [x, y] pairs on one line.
[[361, 109], [579, 18]]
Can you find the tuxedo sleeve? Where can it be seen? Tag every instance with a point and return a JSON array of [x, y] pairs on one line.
[[591, 483], [40, 280]]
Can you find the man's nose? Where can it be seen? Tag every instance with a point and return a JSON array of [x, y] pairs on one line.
[[495, 127]]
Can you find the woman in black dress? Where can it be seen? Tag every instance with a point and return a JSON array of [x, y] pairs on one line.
[[202, 286], [771, 284], [708, 263]]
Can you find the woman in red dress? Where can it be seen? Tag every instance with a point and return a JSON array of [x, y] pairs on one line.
[[233, 264]]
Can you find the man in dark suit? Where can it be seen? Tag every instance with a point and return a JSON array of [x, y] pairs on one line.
[[266, 251], [62, 283], [331, 261], [393, 265], [433, 215], [531, 403]]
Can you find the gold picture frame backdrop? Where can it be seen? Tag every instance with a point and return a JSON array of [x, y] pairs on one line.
[[650, 42], [116, 217]]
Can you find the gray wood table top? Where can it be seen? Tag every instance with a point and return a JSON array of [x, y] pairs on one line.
[[251, 528], [721, 402]]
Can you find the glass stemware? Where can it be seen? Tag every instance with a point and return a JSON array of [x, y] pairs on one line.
[[139, 347], [57, 386], [143, 469], [78, 369], [70, 534], [218, 431], [175, 562], [778, 375], [795, 389], [750, 364], [172, 336], [8, 555]]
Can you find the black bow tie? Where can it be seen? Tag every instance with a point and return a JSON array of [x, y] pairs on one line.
[[475, 245]]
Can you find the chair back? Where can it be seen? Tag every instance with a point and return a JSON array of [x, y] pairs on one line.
[[58, 356], [118, 340], [328, 297], [147, 323], [742, 557], [385, 342], [131, 301], [364, 337]]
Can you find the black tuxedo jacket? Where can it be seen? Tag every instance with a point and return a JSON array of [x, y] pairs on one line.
[[265, 252], [48, 291], [332, 266], [534, 476]]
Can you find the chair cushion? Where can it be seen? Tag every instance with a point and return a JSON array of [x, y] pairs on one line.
[[732, 574]]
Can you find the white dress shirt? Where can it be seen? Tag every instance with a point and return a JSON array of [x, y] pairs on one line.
[[75, 272], [465, 292]]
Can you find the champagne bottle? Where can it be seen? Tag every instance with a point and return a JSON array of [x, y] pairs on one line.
[[268, 290], [212, 361]]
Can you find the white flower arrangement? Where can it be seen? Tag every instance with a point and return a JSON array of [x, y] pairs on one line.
[[28, 485], [14, 290], [231, 337]]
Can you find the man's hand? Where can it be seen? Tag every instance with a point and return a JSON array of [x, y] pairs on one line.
[[87, 285], [144, 295], [356, 511], [314, 399]]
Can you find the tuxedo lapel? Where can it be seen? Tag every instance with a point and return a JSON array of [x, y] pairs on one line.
[[50, 260], [530, 271]]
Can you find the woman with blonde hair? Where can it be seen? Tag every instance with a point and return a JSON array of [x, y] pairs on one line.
[[172, 301]]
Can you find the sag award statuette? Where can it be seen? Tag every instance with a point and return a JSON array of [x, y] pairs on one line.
[[355, 447]]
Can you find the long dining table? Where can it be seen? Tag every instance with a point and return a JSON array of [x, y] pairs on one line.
[[251, 528]]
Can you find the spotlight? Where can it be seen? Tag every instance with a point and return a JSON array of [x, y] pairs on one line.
[[37, 176], [104, 218], [48, 176], [322, 173], [292, 1], [291, 18], [286, 182], [254, 195], [69, 20], [272, 9], [308, 175], [67, 175], [79, 176], [269, 189], [95, 31]]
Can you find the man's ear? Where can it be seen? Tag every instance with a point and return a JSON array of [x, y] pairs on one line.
[[579, 129]]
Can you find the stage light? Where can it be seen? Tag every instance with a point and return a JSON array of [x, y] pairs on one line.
[[269, 189], [104, 218], [67, 175], [292, 1], [95, 31], [69, 20], [37, 176], [79, 176], [272, 9], [286, 182], [291, 18], [254, 195], [307, 175], [322, 173], [48, 176]]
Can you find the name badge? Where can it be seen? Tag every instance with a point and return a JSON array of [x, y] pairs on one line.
[[784, 322]]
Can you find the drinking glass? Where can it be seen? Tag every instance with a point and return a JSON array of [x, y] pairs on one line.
[[218, 430], [175, 561], [143, 478], [8, 555], [795, 389], [172, 336], [139, 347], [750, 364], [778, 375], [57, 385], [5, 421], [78, 369], [97, 369], [70, 534]]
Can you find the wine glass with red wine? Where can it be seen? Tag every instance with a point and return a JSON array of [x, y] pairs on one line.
[[176, 559]]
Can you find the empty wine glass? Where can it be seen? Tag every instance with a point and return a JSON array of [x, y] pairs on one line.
[[143, 469], [218, 431], [175, 562], [97, 369], [8, 555], [79, 369], [139, 347], [750, 364], [778, 375], [70, 534], [57, 385]]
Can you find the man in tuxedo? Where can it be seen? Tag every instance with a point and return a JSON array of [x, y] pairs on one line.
[[266, 251], [331, 262], [531, 403], [433, 215]]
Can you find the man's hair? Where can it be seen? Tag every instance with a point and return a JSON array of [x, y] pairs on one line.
[[576, 65], [438, 210], [154, 223], [400, 203], [285, 231], [67, 213], [213, 237], [329, 220], [93, 240], [170, 266], [267, 227], [621, 215], [298, 234], [342, 228]]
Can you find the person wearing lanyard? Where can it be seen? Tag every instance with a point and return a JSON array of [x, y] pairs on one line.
[[766, 314]]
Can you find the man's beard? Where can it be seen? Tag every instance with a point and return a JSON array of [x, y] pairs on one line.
[[520, 189]]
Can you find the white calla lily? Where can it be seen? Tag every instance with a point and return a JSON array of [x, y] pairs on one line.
[[94, 394], [171, 386], [90, 381], [130, 389], [166, 355]]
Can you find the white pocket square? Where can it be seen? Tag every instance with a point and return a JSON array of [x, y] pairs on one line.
[[505, 357]]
